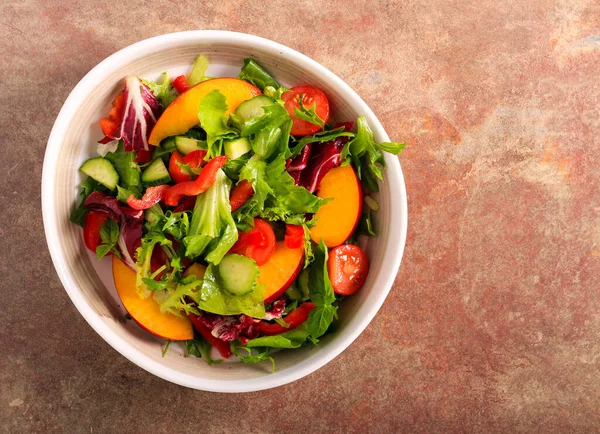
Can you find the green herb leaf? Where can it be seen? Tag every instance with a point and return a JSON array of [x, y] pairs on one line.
[[257, 75], [292, 339], [320, 137], [200, 348], [87, 187], [109, 234], [320, 319], [128, 170], [260, 355], [321, 291], [166, 348]]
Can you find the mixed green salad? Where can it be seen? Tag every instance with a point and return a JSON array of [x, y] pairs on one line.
[[231, 208]]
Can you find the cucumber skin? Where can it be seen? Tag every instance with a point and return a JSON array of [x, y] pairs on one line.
[[148, 175], [90, 169]]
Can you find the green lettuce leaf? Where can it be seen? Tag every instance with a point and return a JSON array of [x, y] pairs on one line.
[[163, 90], [256, 74], [212, 230], [200, 348], [128, 170], [211, 114]]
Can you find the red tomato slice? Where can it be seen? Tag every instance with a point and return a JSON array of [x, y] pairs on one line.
[[91, 229], [258, 243], [348, 267], [310, 96], [294, 236]]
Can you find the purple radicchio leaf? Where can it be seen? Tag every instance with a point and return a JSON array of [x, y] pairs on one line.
[[277, 309], [231, 327], [130, 223], [296, 165], [139, 115], [323, 158]]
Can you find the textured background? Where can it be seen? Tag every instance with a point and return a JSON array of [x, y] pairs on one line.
[[493, 323]]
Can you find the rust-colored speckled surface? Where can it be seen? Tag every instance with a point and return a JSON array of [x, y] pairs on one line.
[[493, 324]]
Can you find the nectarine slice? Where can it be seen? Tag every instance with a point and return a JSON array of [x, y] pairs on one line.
[[182, 113], [280, 271], [145, 311], [337, 219]]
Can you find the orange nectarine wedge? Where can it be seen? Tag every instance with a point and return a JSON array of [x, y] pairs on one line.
[[182, 113], [337, 219], [145, 311], [281, 270]]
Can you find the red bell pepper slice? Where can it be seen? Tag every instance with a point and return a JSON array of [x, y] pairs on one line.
[[206, 178], [295, 318], [180, 84], [222, 346], [240, 194], [152, 196], [294, 236], [91, 229], [194, 159], [111, 123]]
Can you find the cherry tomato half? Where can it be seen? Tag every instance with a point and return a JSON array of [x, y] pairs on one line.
[[348, 267], [310, 96], [91, 229], [258, 243]]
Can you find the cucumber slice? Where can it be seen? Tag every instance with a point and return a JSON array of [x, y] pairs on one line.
[[236, 148], [252, 108], [156, 173], [185, 145], [198, 71], [238, 274], [102, 171]]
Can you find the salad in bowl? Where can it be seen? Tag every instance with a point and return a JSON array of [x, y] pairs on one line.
[[232, 208]]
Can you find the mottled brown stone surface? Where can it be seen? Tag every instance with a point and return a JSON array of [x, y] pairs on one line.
[[493, 324]]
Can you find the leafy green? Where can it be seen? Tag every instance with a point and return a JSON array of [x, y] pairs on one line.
[[260, 355], [144, 255], [275, 93], [365, 224], [256, 74], [109, 234], [87, 187], [200, 348], [198, 72], [321, 294], [176, 301], [320, 137], [292, 339], [213, 298], [166, 348], [128, 170], [211, 114], [308, 114], [367, 155], [163, 91], [212, 228]]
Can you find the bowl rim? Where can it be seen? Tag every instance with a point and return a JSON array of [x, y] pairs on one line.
[[394, 244]]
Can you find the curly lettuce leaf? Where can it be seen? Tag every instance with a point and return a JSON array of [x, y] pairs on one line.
[[162, 89], [211, 114], [212, 230]]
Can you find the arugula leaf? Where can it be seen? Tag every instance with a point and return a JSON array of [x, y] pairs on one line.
[[292, 339], [177, 225], [256, 74], [320, 137], [321, 291], [163, 91], [213, 298], [275, 93], [211, 114], [200, 348], [367, 155], [365, 224], [212, 228], [261, 355], [109, 234], [87, 187], [128, 170], [308, 114], [166, 348]]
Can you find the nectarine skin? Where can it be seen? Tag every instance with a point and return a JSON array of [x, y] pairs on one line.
[[145, 311], [182, 113], [337, 220], [281, 270]]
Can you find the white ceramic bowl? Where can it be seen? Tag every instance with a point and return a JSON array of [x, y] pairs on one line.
[[89, 282]]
